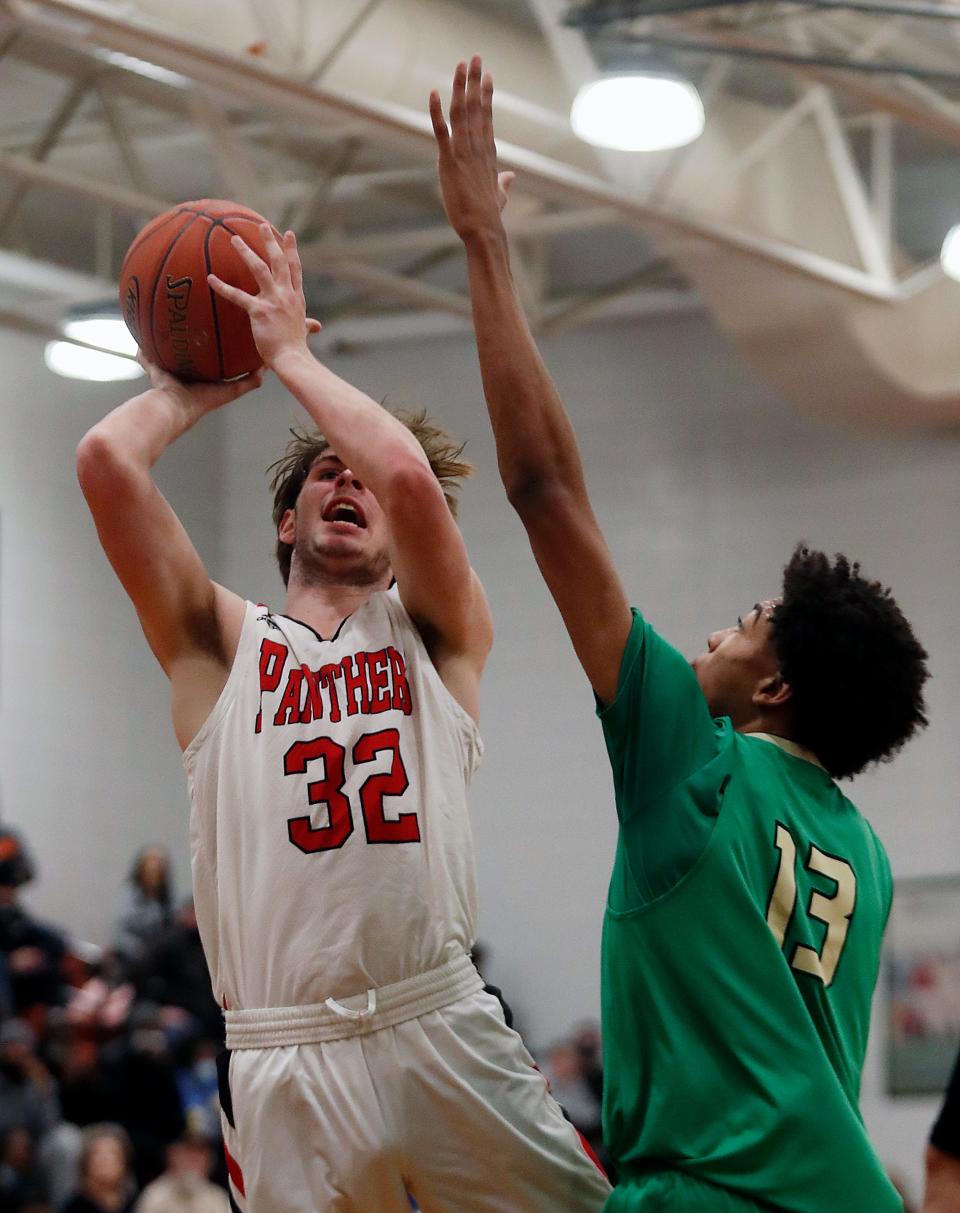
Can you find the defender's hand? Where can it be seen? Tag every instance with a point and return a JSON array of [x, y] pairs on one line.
[[474, 193], [278, 313]]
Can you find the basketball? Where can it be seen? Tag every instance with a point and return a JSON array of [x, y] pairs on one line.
[[178, 321]]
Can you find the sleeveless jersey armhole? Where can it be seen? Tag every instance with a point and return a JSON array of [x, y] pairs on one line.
[[467, 728], [228, 694]]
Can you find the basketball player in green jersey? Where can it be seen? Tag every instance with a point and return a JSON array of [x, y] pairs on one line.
[[748, 898]]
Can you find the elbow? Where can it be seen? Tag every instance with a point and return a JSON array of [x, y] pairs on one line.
[[100, 464], [531, 491], [410, 478]]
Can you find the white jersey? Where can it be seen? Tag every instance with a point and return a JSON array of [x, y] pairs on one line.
[[331, 848]]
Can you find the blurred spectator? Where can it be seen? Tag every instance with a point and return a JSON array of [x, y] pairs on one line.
[[85, 1095], [199, 1091], [105, 1181], [16, 866], [185, 1185], [177, 974], [140, 1074], [33, 953], [59, 1159], [563, 1069], [28, 1097], [145, 908], [23, 1187], [589, 1046], [102, 1002]]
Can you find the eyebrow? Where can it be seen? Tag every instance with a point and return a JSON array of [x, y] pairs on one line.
[[756, 611]]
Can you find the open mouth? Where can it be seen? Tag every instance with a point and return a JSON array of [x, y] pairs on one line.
[[346, 512]]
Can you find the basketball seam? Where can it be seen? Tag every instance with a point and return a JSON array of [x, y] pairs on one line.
[[214, 300], [145, 235], [248, 215], [156, 281]]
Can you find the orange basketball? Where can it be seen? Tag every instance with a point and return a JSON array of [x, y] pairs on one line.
[[178, 321]]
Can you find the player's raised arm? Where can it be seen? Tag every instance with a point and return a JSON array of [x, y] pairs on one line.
[[182, 613], [427, 553], [536, 448]]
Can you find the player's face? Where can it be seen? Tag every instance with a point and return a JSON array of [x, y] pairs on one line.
[[738, 660], [337, 526]]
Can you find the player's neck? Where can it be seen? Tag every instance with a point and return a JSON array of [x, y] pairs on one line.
[[774, 725], [324, 607]]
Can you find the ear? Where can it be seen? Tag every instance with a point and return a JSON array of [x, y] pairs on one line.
[[287, 527], [773, 692]]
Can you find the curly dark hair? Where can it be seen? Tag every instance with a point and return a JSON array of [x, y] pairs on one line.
[[444, 454], [855, 667]]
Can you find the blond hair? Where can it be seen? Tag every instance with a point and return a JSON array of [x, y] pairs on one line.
[[289, 472]]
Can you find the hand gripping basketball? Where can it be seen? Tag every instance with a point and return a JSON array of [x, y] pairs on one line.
[[178, 320], [277, 313]]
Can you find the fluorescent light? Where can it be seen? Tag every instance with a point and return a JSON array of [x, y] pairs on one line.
[[950, 253], [107, 331], [77, 362], [640, 112]]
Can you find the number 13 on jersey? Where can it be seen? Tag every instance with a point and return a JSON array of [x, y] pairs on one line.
[[834, 909]]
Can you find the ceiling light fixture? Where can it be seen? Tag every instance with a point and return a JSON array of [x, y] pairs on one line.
[[79, 362], [638, 112], [950, 253]]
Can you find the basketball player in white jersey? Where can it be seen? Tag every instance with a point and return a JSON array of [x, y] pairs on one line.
[[328, 750]]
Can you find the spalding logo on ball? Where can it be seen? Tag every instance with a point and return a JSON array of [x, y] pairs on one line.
[[178, 321]]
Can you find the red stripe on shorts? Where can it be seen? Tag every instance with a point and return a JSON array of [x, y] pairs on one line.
[[233, 1170], [591, 1154]]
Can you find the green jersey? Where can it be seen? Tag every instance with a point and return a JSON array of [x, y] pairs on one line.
[[741, 946]]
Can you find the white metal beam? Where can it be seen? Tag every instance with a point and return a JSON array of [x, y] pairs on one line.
[[131, 201], [872, 247], [394, 286], [772, 135], [882, 178], [231, 157], [45, 144], [428, 239], [120, 133], [343, 39]]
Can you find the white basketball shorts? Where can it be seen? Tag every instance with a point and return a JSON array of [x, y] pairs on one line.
[[373, 1106]]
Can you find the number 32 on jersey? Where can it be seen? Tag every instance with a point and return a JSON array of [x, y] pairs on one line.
[[327, 791], [834, 910]]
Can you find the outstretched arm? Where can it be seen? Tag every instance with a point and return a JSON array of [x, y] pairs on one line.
[[191, 624], [537, 451], [427, 553]]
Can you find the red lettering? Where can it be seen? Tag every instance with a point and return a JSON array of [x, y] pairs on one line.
[[273, 657], [328, 674], [377, 667], [355, 684], [326, 791], [405, 827], [401, 689], [313, 705], [289, 710]]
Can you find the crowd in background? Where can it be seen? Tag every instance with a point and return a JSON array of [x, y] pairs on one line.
[[108, 1076], [108, 1057]]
